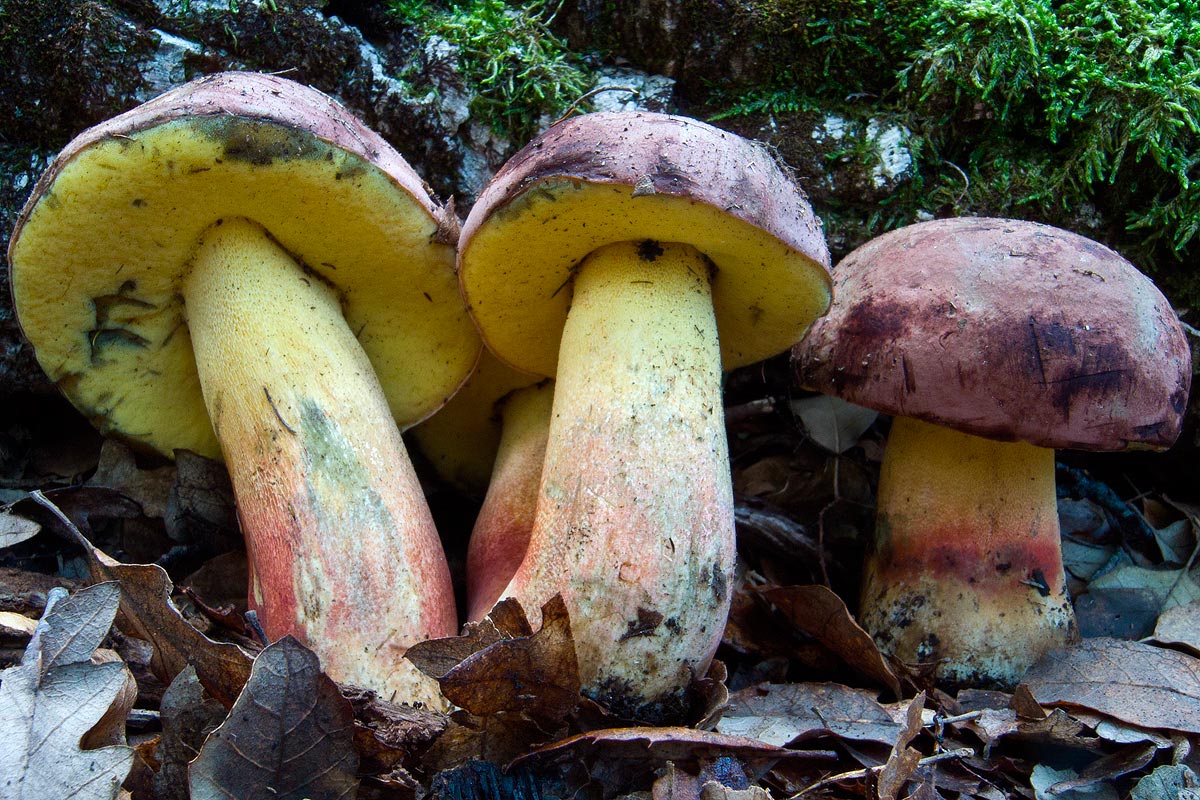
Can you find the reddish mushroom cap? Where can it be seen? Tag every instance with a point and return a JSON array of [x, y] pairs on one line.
[[598, 179], [1005, 329]]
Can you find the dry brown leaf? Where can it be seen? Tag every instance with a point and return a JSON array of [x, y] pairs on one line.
[[1108, 768], [536, 675], [821, 614], [290, 735], [15, 529], [436, 657], [117, 470], [148, 613], [780, 714], [1148, 686], [56, 698], [200, 505], [188, 717], [902, 761], [1180, 627]]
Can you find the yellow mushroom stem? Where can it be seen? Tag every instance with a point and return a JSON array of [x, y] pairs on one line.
[[501, 533], [634, 521], [966, 569], [342, 547]]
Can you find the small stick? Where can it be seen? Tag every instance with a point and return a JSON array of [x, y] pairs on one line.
[[278, 416], [593, 93], [859, 774]]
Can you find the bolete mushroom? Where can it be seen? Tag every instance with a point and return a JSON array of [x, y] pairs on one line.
[[993, 342], [490, 439], [225, 269], [654, 232]]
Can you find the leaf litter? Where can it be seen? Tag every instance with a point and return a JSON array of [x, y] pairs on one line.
[[808, 707]]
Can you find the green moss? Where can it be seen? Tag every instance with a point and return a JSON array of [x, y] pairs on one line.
[[509, 58], [1066, 111]]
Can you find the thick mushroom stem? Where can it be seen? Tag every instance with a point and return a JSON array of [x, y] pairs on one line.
[[501, 532], [967, 566], [342, 547], [634, 520]]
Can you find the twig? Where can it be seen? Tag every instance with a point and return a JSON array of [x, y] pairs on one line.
[[278, 416], [593, 93], [859, 774], [966, 182], [755, 408]]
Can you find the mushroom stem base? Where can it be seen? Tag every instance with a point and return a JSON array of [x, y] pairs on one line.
[[342, 547], [966, 568], [634, 522]]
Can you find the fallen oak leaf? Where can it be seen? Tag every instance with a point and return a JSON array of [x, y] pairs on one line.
[[1180, 627], [57, 697], [536, 675], [821, 614], [436, 657], [187, 716], [289, 736], [148, 613], [782, 714], [1151, 687]]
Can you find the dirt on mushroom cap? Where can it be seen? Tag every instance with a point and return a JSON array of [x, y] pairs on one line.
[[603, 178], [1005, 329]]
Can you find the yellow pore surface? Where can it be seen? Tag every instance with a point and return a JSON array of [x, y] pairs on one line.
[[461, 439], [98, 266], [517, 268]]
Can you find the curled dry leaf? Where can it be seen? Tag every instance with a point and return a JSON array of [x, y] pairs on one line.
[[57, 697], [1148, 686], [902, 761], [535, 674], [290, 735], [148, 613], [821, 614], [436, 657], [786, 713]]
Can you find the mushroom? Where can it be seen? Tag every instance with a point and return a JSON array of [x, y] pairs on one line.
[[993, 342], [225, 269], [500, 536], [654, 231], [491, 438]]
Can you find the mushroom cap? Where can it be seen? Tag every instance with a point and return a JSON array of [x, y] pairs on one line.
[[603, 178], [1005, 329], [103, 244]]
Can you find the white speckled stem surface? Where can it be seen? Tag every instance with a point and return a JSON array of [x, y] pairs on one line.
[[634, 521], [342, 547]]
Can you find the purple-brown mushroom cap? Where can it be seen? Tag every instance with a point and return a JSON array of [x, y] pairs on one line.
[[598, 179], [1004, 329]]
